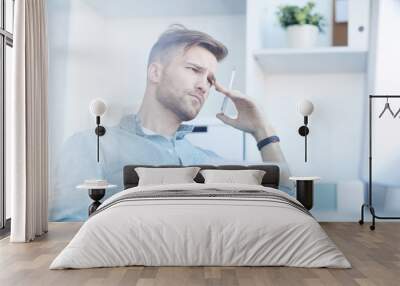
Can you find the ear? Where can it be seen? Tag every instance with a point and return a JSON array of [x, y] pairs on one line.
[[154, 72]]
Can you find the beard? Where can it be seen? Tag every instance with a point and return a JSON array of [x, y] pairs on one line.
[[183, 105]]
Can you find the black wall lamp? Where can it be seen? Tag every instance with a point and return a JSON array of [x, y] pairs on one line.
[[97, 108], [305, 108]]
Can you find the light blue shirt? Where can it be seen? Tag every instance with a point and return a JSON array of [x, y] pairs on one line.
[[124, 144]]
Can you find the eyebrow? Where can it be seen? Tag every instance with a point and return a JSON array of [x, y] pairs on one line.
[[211, 78]]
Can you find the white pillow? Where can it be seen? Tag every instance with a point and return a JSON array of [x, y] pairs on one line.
[[248, 177], [162, 176]]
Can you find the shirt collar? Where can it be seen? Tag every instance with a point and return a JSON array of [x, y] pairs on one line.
[[131, 123]]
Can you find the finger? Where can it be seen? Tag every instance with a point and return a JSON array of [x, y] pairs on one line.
[[220, 88], [226, 119], [232, 94]]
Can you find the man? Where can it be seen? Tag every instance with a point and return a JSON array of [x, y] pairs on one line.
[[181, 71]]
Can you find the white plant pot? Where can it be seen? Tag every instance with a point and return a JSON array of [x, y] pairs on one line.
[[302, 36]]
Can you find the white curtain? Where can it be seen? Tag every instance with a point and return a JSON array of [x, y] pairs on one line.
[[27, 122]]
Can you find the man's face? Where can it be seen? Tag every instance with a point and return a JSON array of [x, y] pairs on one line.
[[186, 81]]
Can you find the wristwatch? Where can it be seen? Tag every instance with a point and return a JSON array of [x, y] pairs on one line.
[[266, 141]]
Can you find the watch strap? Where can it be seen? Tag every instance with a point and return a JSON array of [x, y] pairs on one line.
[[264, 142]]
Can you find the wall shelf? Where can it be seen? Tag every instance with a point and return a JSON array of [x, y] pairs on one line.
[[316, 60]]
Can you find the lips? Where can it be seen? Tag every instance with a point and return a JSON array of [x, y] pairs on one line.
[[198, 97]]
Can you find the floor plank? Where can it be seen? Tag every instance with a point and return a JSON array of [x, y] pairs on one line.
[[374, 255]]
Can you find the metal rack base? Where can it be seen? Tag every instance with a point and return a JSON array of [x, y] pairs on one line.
[[374, 216]]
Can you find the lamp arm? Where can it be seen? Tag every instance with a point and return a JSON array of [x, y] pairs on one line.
[[305, 146], [98, 143], [98, 137]]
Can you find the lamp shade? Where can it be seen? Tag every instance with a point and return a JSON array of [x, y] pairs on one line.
[[97, 107], [305, 107]]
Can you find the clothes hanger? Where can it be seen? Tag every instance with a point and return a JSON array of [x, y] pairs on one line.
[[387, 107], [397, 113]]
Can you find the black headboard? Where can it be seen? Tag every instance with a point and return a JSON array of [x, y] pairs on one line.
[[270, 179]]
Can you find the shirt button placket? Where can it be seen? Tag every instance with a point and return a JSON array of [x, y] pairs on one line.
[[174, 150]]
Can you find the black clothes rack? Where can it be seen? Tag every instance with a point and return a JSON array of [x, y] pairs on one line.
[[369, 204]]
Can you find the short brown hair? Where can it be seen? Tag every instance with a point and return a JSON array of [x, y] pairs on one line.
[[179, 36]]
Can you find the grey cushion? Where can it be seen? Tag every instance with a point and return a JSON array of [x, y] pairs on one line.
[[270, 179], [248, 177], [162, 176]]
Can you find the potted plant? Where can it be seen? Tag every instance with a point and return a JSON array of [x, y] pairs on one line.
[[301, 24]]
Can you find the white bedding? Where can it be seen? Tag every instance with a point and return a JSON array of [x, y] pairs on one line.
[[183, 231]]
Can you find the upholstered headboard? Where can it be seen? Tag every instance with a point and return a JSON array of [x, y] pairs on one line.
[[270, 179]]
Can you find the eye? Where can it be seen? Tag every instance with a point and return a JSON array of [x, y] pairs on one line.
[[194, 69]]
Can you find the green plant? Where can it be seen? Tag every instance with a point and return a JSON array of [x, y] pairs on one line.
[[289, 15]]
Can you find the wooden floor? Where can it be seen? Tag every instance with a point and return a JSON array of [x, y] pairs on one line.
[[375, 257]]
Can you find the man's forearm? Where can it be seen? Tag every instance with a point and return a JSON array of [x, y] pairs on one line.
[[272, 151]]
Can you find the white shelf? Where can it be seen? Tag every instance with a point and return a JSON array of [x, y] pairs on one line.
[[316, 60]]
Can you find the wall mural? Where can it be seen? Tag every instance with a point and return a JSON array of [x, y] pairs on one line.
[[166, 70]]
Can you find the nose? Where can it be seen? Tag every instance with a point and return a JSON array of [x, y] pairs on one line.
[[202, 84]]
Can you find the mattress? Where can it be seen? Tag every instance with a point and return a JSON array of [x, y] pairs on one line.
[[201, 225]]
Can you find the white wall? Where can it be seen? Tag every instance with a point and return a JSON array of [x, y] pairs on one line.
[[383, 79]]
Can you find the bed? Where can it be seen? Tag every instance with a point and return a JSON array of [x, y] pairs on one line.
[[199, 224]]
